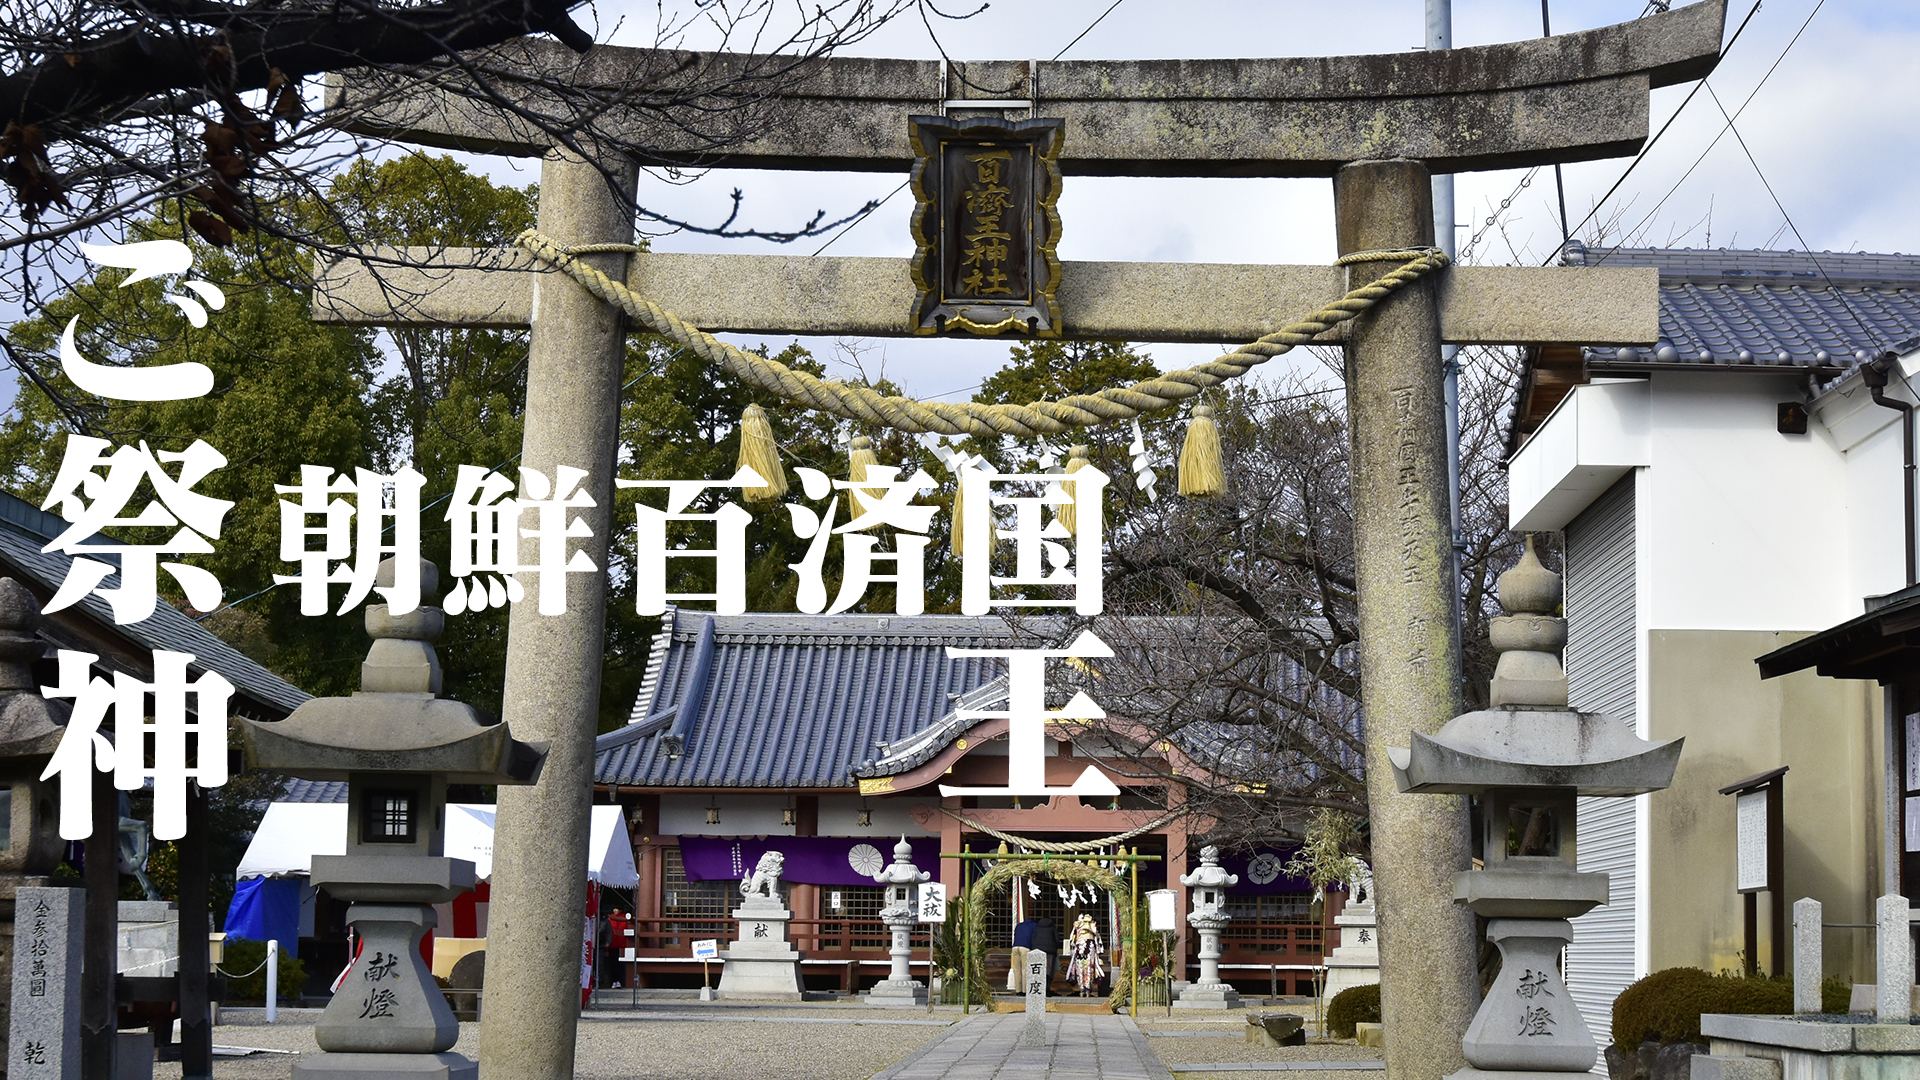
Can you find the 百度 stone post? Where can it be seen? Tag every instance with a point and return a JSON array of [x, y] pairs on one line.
[[1409, 656], [552, 693], [1034, 979]]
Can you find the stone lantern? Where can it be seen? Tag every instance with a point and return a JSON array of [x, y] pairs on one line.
[[1526, 758], [901, 912], [397, 744], [30, 730], [1209, 884]]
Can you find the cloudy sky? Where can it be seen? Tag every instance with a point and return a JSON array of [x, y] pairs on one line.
[[1831, 121], [1827, 95]]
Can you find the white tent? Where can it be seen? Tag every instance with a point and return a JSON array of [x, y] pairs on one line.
[[291, 834]]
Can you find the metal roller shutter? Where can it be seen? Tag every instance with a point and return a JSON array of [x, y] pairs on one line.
[[1601, 631]]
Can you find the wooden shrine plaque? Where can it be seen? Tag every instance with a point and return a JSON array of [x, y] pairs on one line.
[[985, 226]]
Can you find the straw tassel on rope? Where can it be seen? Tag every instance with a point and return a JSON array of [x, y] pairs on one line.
[[1069, 514], [760, 453], [860, 456], [1201, 471]]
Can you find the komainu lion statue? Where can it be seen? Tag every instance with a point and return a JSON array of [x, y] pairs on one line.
[[765, 880]]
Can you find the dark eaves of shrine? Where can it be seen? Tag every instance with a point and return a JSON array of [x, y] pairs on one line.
[[89, 627], [1883, 644], [790, 701], [1737, 311]]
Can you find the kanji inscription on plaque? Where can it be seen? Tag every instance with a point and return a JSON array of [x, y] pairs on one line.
[[985, 225]]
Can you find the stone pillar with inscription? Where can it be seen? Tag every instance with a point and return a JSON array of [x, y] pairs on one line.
[[43, 1029], [398, 745], [1527, 756], [1409, 659], [1034, 979], [1357, 961]]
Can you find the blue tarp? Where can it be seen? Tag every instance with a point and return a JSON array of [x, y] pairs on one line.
[[266, 909]]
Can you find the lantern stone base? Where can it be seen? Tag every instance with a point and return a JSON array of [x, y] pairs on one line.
[[389, 1004], [763, 963], [897, 992], [1528, 1022], [1209, 996], [372, 1066]]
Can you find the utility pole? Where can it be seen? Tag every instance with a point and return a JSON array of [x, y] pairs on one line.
[[1440, 36]]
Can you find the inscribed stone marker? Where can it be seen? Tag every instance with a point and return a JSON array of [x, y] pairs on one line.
[[1038, 968], [44, 1035], [1807, 955]]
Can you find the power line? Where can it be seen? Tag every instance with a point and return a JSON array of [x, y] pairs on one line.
[[1804, 246], [1474, 240], [1088, 30], [1644, 150], [1716, 139], [862, 216]]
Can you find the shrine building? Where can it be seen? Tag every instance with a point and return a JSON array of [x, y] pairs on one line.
[[826, 738]]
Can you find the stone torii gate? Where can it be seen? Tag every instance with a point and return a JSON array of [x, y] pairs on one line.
[[1377, 125]]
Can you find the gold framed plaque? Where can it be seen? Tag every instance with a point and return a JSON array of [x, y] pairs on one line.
[[985, 225]]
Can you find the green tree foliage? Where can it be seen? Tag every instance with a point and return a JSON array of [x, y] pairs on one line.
[[1050, 370], [287, 391]]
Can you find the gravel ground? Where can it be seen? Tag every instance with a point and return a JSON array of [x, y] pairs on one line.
[[768, 1044]]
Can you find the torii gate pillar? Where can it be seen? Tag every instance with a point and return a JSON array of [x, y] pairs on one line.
[[572, 418], [1409, 657]]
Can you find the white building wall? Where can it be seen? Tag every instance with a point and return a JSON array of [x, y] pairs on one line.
[[1755, 530], [1739, 527], [1868, 437], [1748, 528]]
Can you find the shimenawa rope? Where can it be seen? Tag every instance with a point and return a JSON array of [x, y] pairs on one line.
[[973, 418], [1057, 847]]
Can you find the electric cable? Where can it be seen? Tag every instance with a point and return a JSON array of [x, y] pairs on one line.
[[1644, 150], [1723, 131]]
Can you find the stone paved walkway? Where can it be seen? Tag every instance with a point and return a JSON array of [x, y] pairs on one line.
[[1078, 1048]]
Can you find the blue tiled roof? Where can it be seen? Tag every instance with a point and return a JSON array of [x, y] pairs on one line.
[[1768, 309], [25, 529], [789, 701]]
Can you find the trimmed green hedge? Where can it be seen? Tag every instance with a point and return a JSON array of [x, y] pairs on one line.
[[1354, 1005], [1666, 1006]]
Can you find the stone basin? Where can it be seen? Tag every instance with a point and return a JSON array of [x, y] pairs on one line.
[[1840, 1047]]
